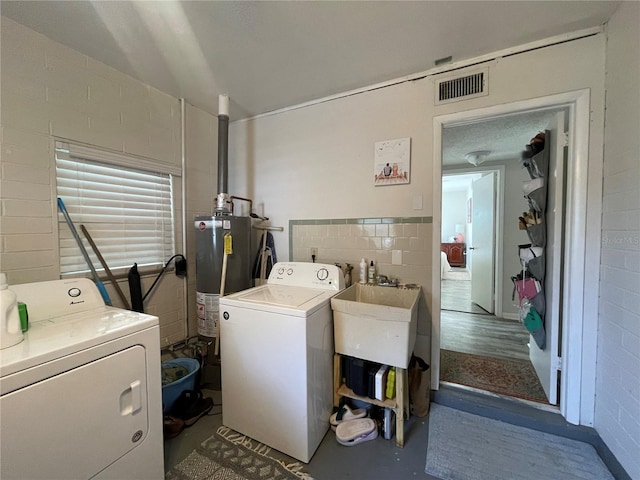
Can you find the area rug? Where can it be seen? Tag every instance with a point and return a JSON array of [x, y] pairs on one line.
[[463, 446], [228, 455], [515, 378]]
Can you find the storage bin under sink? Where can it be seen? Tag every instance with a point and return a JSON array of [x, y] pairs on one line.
[[376, 323]]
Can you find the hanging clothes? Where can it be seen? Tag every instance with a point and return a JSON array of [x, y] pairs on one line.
[[266, 254]]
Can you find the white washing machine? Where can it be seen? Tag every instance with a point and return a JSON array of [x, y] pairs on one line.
[[276, 347], [81, 395]]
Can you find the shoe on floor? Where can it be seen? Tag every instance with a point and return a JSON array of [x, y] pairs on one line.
[[354, 432], [191, 406], [172, 426], [344, 414]]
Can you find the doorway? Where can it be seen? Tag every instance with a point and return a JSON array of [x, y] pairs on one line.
[[484, 345], [480, 349], [576, 399]]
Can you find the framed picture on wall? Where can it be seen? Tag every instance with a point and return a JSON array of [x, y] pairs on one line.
[[392, 162]]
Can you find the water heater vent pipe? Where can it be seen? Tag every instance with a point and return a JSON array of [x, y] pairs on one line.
[[222, 201]]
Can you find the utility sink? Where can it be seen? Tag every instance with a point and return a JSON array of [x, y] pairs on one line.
[[376, 323]]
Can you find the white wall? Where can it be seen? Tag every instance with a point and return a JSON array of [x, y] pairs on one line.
[[318, 163], [617, 412], [322, 157], [52, 92], [315, 162], [454, 212]]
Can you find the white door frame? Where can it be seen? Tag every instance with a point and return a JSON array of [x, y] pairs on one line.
[[583, 209]]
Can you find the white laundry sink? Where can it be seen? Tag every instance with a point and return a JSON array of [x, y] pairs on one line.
[[376, 323]]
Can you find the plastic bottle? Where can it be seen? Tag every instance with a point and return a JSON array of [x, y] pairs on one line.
[[10, 328], [372, 273], [363, 271]]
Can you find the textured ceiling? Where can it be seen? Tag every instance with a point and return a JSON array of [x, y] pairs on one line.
[[504, 137], [271, 55]]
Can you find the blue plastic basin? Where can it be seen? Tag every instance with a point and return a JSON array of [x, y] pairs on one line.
[[172, 391]]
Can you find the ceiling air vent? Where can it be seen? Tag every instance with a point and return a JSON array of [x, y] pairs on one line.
[[462, 87]]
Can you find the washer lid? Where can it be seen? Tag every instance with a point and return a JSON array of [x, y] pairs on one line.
[[283, 296], [286, 299]]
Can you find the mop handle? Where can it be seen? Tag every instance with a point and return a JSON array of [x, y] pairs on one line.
[[107, 270], [74, 232]]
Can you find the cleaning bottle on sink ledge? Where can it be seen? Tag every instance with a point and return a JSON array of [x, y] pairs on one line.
[[371, 278], [363, 271]]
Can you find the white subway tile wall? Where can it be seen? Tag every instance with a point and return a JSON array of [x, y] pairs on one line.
[[340, 242]]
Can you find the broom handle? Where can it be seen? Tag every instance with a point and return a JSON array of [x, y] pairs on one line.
[[106, 268]]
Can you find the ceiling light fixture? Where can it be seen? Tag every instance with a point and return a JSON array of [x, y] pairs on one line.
[[477, 157]]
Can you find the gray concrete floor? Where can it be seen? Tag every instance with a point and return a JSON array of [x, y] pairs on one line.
[[381, 459], [377, 459]]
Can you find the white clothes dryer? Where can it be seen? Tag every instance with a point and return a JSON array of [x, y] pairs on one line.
[[276, 347], [81, 395]]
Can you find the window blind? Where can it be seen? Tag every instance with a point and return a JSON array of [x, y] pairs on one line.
[[127, 211]]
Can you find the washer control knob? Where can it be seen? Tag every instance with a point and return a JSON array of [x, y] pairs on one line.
[[280, 271], [290, 271], [323, 274]]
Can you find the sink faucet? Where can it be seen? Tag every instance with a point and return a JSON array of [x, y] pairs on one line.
[[384, 281]]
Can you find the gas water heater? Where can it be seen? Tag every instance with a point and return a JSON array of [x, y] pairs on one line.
[[210, 246], [213, 234]]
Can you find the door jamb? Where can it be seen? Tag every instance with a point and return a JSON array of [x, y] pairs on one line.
[[579, 332]]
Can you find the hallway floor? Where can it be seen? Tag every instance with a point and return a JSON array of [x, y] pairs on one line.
[[466, 328], [456, 295], [483, 335]]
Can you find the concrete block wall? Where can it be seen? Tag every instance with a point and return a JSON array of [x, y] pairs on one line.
[[201, 186], [617, 413], [52, 92]]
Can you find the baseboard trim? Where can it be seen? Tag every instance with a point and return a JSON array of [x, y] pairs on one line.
[[519, 413], [511, 316]]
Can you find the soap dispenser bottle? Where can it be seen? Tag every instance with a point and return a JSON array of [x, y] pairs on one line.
[[10, 327], [363, 271], [371, 278]]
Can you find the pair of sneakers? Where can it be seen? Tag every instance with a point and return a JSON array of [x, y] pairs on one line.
[[351, 426], [190, 406]]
